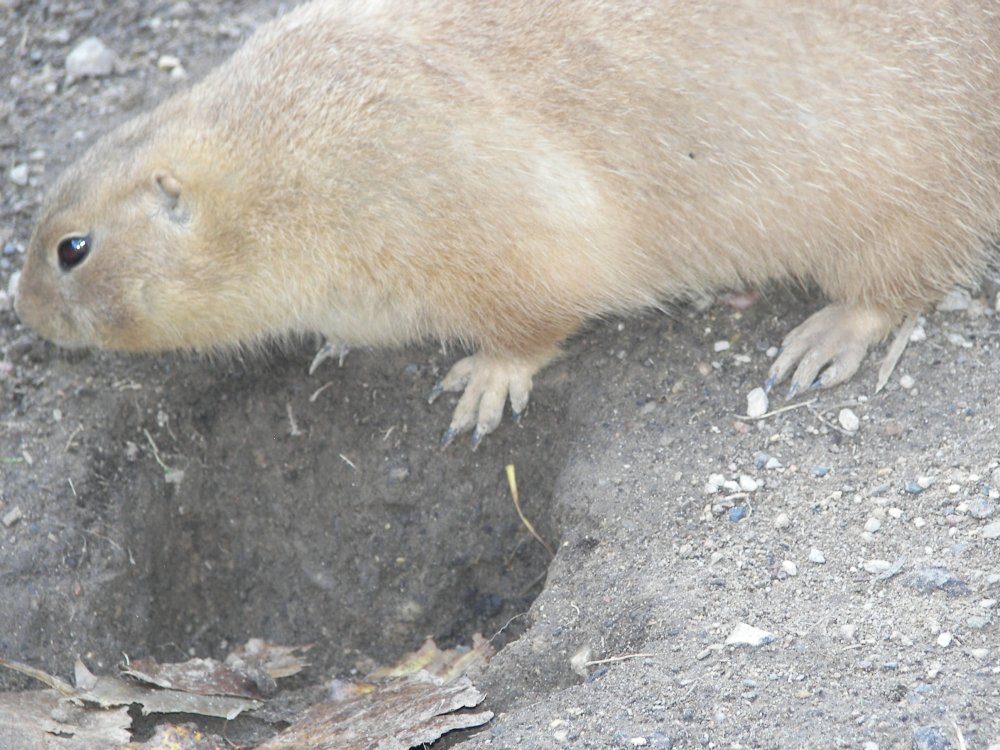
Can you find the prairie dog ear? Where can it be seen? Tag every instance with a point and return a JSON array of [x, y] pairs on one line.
[[171, 197]]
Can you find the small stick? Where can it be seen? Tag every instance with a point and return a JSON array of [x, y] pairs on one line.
[[512, 481]]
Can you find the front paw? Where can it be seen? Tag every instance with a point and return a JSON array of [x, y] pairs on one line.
[[486, 383]]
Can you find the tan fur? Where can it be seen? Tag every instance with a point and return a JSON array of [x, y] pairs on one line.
[[497, 173]]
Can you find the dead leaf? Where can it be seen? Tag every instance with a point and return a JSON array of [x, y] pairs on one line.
[[199, 676], [106, 692], [446, 665], [399, 715], [410, 703], [44, 720]]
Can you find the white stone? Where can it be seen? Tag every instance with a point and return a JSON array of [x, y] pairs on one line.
[[90, 58], [748, 483], [18, 174], [756, 403], [747, 635], [817, 556], [876, 566], [789, 568], [849, 420], [872, 525]]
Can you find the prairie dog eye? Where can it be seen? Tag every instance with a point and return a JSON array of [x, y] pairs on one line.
[[72, 251]]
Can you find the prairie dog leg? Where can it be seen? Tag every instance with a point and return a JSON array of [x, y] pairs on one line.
[[836, 338], [486, 382]]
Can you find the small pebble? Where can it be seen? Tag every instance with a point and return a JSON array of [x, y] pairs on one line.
[[773, 463], [720, 346], [913, 488], [847, 632], [937, 578], [789, 568], [90, 58], [959, 340], [944, 640], [895, 513], [978, 622], [925, 482], [849, 420], [872, 525], [12, 516], [817, 556], [820, 471], [167, 63], [981, 507], [19, 174], [737, 513], [757, 404], [748, 635], [747, 483], [919, 334], [919, 522], [782, 521], [877, 566], [982, 654], [957, 300], [930, 738], [992, 530], [906, 382]]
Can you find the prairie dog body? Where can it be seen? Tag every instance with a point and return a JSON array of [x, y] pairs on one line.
[[383, 171]]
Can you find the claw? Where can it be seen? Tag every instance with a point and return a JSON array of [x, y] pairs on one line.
[[447, 438], [792, 391], [477, 438], [327, 351], [516, 415], [436, 391], [769, 383]]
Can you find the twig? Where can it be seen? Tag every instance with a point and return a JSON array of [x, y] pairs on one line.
[[613, 659], [512, 481], [77, 431], [156, 451], [777, 411]]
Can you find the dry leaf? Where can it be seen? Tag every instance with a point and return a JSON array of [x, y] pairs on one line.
[[401, 714], [110, 691], [43, 720]]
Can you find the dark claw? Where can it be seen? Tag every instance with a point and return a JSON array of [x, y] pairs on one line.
[[792, 391], [769, 383], [448, 436], [477, 438], [816, 384], [517, 416], [435, 392]]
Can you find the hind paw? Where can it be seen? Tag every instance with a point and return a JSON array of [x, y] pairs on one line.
[[486, 384], [829, 346]]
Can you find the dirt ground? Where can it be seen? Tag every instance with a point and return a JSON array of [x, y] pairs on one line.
[[173, 506]]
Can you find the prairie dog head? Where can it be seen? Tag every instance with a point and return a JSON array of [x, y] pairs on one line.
[[129, 253]]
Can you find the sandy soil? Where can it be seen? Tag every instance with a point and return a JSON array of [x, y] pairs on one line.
[[170, 506]]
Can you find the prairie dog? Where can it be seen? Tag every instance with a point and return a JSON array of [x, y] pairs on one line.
[[383, 171]]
